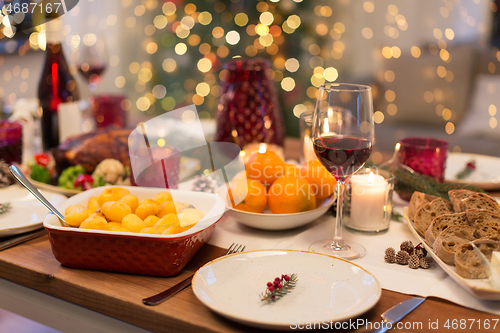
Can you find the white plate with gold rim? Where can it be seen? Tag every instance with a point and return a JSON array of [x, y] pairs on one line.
[[27, 213], [328, 288], [486, 175]]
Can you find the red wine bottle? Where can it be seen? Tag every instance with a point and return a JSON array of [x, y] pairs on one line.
[[57, 88]]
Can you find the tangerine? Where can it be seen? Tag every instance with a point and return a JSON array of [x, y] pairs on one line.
[[248, 195], [321, 180], [291, 195], [265, 167]]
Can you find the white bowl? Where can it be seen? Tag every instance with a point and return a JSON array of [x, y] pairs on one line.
[[270, 221]]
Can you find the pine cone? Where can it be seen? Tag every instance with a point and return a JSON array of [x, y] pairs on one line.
[[390, 258], [420, 252], [390, 251], [425, 262], [204, 183], [402, 257], [414, 261], [407, 246]]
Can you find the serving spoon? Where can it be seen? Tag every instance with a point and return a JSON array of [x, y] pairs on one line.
[[14, 170]]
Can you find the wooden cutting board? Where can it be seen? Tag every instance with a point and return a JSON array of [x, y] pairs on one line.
[[119, 295]]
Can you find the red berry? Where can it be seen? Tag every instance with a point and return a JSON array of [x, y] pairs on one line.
[[287, 278], [269, 284], [276, 283], [279, 286], [277, 279], [271, 288]]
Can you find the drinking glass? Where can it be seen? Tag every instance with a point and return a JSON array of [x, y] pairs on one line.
[[91, 57], [424, 155], [342, 135]]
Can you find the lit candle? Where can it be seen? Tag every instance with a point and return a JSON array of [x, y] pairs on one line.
[[308, 149], [256, 147], [368, 201]]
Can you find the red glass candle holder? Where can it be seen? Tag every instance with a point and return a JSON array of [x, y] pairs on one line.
[[108, 110], [248, 110], [11, 141], [424, 155], [163, 171]]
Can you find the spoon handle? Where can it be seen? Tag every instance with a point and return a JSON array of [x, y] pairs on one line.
[[14, 170]]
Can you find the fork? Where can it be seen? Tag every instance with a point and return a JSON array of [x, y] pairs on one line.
[[164, 295]]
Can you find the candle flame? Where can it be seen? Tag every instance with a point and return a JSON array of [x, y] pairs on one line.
[[326, 126], [398, 145], [262, 148], [371, 178]]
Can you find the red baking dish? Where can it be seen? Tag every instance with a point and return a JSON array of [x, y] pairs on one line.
[[127, 252]]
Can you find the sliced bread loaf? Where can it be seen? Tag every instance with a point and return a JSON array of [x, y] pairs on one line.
[[480, 201], [450, 239], [418, 199], [442, 222], [456, 196], [468, 263], [429, 211]]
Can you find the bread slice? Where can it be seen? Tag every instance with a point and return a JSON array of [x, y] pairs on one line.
[[428, 212], [450, 239], [442, 222], [468, 263], [487, 223], [418, 199], [480, 201], [456, 196], [476, 217]]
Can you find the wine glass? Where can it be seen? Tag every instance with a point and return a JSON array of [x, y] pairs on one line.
[[91, 58], [342, 135]]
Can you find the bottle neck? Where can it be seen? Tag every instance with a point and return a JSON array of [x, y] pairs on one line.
[[53, 29]]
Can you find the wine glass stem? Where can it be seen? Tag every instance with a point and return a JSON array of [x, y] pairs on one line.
[[337, 239]]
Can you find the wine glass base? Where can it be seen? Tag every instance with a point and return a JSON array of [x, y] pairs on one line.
[[338, 249]]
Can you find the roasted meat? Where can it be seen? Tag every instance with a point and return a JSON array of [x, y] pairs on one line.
[[90, 149]]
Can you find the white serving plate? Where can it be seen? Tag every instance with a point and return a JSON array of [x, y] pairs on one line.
[[486, 175], [479, 288], [210, 204], [270, 221], [27, 212], [328, 288]]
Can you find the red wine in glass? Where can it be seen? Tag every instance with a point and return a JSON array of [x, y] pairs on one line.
[[342, 155], [92, 72]]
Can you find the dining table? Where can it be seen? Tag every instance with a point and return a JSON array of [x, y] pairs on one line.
[[35, 285]]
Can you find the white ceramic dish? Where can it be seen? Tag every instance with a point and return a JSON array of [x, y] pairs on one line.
[[27, 212], [210, 204], [270, 221], [486, 175], [479, 288], [329, 288]]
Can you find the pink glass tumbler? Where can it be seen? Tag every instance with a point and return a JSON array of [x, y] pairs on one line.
[[11, 141], [163, 170], [424, 155], [108, 110]]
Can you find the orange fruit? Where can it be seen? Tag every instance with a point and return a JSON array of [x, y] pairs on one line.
[[291, 171], [248, 195], [322, 181], [291, 195], [265, 167]]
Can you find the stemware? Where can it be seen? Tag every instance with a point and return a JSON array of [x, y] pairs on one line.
[[91, 57], [342, 135]]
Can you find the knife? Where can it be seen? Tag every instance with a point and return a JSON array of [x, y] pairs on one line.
[[22, 238], [398, 312]]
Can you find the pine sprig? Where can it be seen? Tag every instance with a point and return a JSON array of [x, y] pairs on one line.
[[5, 207], [406, 183], [279, 288]]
